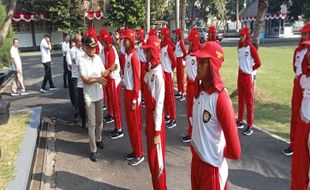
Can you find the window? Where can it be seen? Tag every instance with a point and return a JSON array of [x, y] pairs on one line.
[[21, 26]]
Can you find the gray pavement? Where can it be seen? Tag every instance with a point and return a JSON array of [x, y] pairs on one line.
[[262, 166]]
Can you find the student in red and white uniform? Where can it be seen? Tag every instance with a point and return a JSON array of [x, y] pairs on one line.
[[212, 34], [301, 156], [299, 54], [180, 54], [215, 135], [122, 50], [192, 81], [168, 63], [132, 98], [155, 125], [142, 58], [113, 82], [249, 61]]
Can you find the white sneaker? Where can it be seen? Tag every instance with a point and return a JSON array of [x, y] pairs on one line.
[[24, 93], [15, 94], [54, 88], [43, 90]]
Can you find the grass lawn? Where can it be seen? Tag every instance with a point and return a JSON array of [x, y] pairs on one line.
[[11, 135], [273, 86]]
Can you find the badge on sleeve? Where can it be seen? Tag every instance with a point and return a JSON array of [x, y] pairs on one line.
[[206, 116]]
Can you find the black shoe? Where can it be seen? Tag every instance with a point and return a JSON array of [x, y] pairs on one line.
[[167, 119], [182, 98], [130, 156], [240, 125], [186, 139], [108, 119], [136, 161], [172, 124], [287, 152], [104, 108], [100, 145], [178, 95], [115, 134], [93, 156], [248, 131]]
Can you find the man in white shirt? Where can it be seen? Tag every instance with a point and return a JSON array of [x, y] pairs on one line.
[[17, 67], [65, 47], [93, 76], [45, 48]]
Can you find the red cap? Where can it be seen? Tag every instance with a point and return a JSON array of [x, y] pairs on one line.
[[178, 31], [215, 52], [140, 33], [244, 31], [104, 35], [193, 34], [130, 34], [211, 50], [212, 29], [165, 31], [153, 32], [152, 42], [305, 28]]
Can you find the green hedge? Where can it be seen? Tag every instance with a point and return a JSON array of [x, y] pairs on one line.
[[5, 48]]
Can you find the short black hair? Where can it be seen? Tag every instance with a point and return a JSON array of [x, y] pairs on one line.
[[14, 39], [47, 35]]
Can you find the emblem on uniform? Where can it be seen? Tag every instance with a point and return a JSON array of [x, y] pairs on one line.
[[165, 54], [246, 54], [153, 77], [206, 116], [193, 62], [128, 64]]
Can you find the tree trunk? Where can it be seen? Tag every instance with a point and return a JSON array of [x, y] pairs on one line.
[[177, 14], [4, 30], [259, 21], [148, 15], [237, 15], [182, 13]]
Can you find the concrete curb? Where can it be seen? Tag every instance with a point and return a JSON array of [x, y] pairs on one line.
[[25, 159]]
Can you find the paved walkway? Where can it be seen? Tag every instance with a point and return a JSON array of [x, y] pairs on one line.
[[262, 166]]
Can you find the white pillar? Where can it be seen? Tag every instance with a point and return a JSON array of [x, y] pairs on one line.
[[177, 13]]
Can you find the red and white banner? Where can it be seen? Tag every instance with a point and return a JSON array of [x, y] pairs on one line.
[[97, 15], [17, 17], [267, 17]]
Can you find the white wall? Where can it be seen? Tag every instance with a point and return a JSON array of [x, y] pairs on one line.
[[25, 39]]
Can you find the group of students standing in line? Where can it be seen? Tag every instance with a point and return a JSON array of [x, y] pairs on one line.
[[145, 70]]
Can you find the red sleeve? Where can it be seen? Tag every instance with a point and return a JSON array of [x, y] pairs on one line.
[[254, 53], [183, 49], [294, 59], [172, 57], [136, 75], [299, 93], [110, 59], [305, 65], [226, 117]]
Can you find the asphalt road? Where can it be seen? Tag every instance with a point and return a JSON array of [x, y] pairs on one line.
[[261, 167]]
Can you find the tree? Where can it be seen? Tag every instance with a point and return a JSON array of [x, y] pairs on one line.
[[130, 13], [221, 12], [182, 13], [6, 40], [197, 10], [161, 8], [65, 15], [6, 23], [259, 21]]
